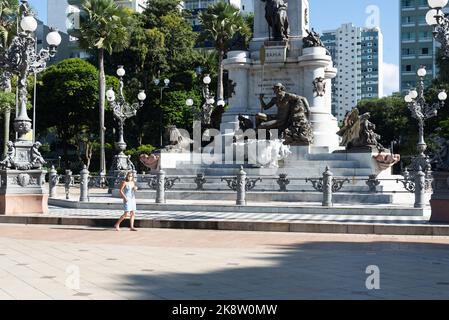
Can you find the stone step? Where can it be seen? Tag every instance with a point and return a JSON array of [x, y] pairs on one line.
[[292, 172], [260, 208], [341, 197]]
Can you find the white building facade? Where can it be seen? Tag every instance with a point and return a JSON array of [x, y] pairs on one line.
[[358, 55], [63, 14]]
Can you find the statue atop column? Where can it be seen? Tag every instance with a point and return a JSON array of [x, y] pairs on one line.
[[312, 40], [277, 19], [292, 119]]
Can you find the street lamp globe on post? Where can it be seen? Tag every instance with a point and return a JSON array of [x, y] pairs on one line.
[[21, 170], [122, 111], [436, 18], [422, 111], [208, 106], [162, 87]]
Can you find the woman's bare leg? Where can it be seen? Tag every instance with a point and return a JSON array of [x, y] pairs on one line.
[[119, 222], [132, 218]]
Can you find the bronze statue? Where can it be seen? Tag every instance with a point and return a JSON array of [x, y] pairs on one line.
[[441, 156], [8, 162], [37, 161], [300, 131], [358, 131], [277, 18], [245, 123], [312, 40], [292, 119]]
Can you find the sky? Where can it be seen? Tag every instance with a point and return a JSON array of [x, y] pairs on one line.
[[330, 14]]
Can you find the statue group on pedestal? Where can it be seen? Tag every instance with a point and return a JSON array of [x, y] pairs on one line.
[[34, 160], [312, 40], [358, 132]]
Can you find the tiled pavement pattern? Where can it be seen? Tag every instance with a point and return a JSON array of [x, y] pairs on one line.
[[41, 262], [229, 216]]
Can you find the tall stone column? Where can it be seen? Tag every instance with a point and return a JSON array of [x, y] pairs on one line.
[[237, 64], [317, 64]]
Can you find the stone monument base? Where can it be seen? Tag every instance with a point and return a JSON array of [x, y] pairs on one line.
[[440, 211], [23, 192], [440, 198], [15, 204]]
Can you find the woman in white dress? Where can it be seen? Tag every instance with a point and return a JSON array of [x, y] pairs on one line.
[[128, 192]]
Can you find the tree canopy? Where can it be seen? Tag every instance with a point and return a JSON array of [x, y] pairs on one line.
[[67, 101]]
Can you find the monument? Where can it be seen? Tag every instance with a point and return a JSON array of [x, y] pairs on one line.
[[281, 53], [282, 91], [22, 176]]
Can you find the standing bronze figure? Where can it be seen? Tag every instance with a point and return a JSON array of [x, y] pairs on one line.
[[277, 18]]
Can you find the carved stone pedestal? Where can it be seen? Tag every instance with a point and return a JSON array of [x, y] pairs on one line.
[[23, 192], [440, 198], [120, 167]]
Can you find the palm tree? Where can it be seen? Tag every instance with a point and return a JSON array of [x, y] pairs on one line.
[[221, 22], [104, 26], [8, 26]]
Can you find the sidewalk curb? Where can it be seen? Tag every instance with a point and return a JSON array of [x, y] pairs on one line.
[[221, 225], [346, 210]]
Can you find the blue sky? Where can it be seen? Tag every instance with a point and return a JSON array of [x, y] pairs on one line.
[[330, 14]]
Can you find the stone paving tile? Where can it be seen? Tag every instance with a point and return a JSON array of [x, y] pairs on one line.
[[233, 216], [231, 265]]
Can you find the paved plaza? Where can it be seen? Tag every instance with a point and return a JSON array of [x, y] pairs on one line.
[[55, 262]]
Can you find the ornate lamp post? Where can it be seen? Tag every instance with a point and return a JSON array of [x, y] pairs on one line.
[[162, 87], [22, 175], [122, 111], [208, 106], [422, 111], [209, 102], [440, 21]]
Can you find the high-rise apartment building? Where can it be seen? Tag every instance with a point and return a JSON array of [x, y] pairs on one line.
[[358, 54], [418, 47]]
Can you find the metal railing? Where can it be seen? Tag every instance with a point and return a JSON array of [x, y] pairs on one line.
[[418, 183]]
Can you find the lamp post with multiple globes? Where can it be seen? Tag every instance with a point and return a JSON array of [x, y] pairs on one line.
[[123, 111], [440, 21], [422, 111], [21, 170], [162, 86], [209, 102]]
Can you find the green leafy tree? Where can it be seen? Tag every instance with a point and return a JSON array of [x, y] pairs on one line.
[[8, 22], [393, 122], [135, 154], [162, 45], [440, 123], [104, 26], [67, 99], [221, 22]]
